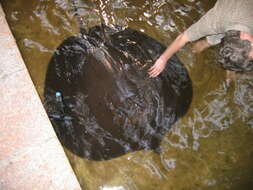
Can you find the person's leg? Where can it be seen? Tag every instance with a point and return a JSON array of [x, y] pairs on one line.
[[206, 43], [230, 77], [200, 46]]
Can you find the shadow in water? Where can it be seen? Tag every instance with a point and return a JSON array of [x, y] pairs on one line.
[[100, 99]]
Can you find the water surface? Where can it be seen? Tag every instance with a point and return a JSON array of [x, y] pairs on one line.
[[210, 148]]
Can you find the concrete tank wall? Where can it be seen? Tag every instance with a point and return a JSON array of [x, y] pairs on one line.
[[31, 156]]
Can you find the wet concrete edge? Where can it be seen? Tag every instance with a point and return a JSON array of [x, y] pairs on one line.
[[31, 156]]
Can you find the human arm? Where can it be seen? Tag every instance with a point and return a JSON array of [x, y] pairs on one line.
[[161, 62], [206, 26]]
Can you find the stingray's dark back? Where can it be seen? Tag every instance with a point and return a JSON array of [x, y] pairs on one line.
[[111, 106]]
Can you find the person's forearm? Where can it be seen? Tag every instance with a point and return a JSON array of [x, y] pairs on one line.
[[177, 44], [161, 62]]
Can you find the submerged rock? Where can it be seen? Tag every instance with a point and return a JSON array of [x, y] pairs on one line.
[[100, 99]]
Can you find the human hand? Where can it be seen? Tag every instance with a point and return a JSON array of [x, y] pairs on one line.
[[158, 67]]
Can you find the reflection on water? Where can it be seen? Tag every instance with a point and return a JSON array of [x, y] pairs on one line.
[[112, 188], [211, 147]]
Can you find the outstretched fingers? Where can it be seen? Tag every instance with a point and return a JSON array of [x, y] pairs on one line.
[[154, 71], [157, 68]]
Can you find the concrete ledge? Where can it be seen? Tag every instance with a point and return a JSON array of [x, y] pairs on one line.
[[31, 156]]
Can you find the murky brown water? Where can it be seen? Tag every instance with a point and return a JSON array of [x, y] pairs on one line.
[[211, 147]]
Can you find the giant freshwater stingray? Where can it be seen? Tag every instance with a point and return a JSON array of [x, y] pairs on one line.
[[100, 99]]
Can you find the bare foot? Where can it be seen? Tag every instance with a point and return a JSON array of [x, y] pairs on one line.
[[200, 46]]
